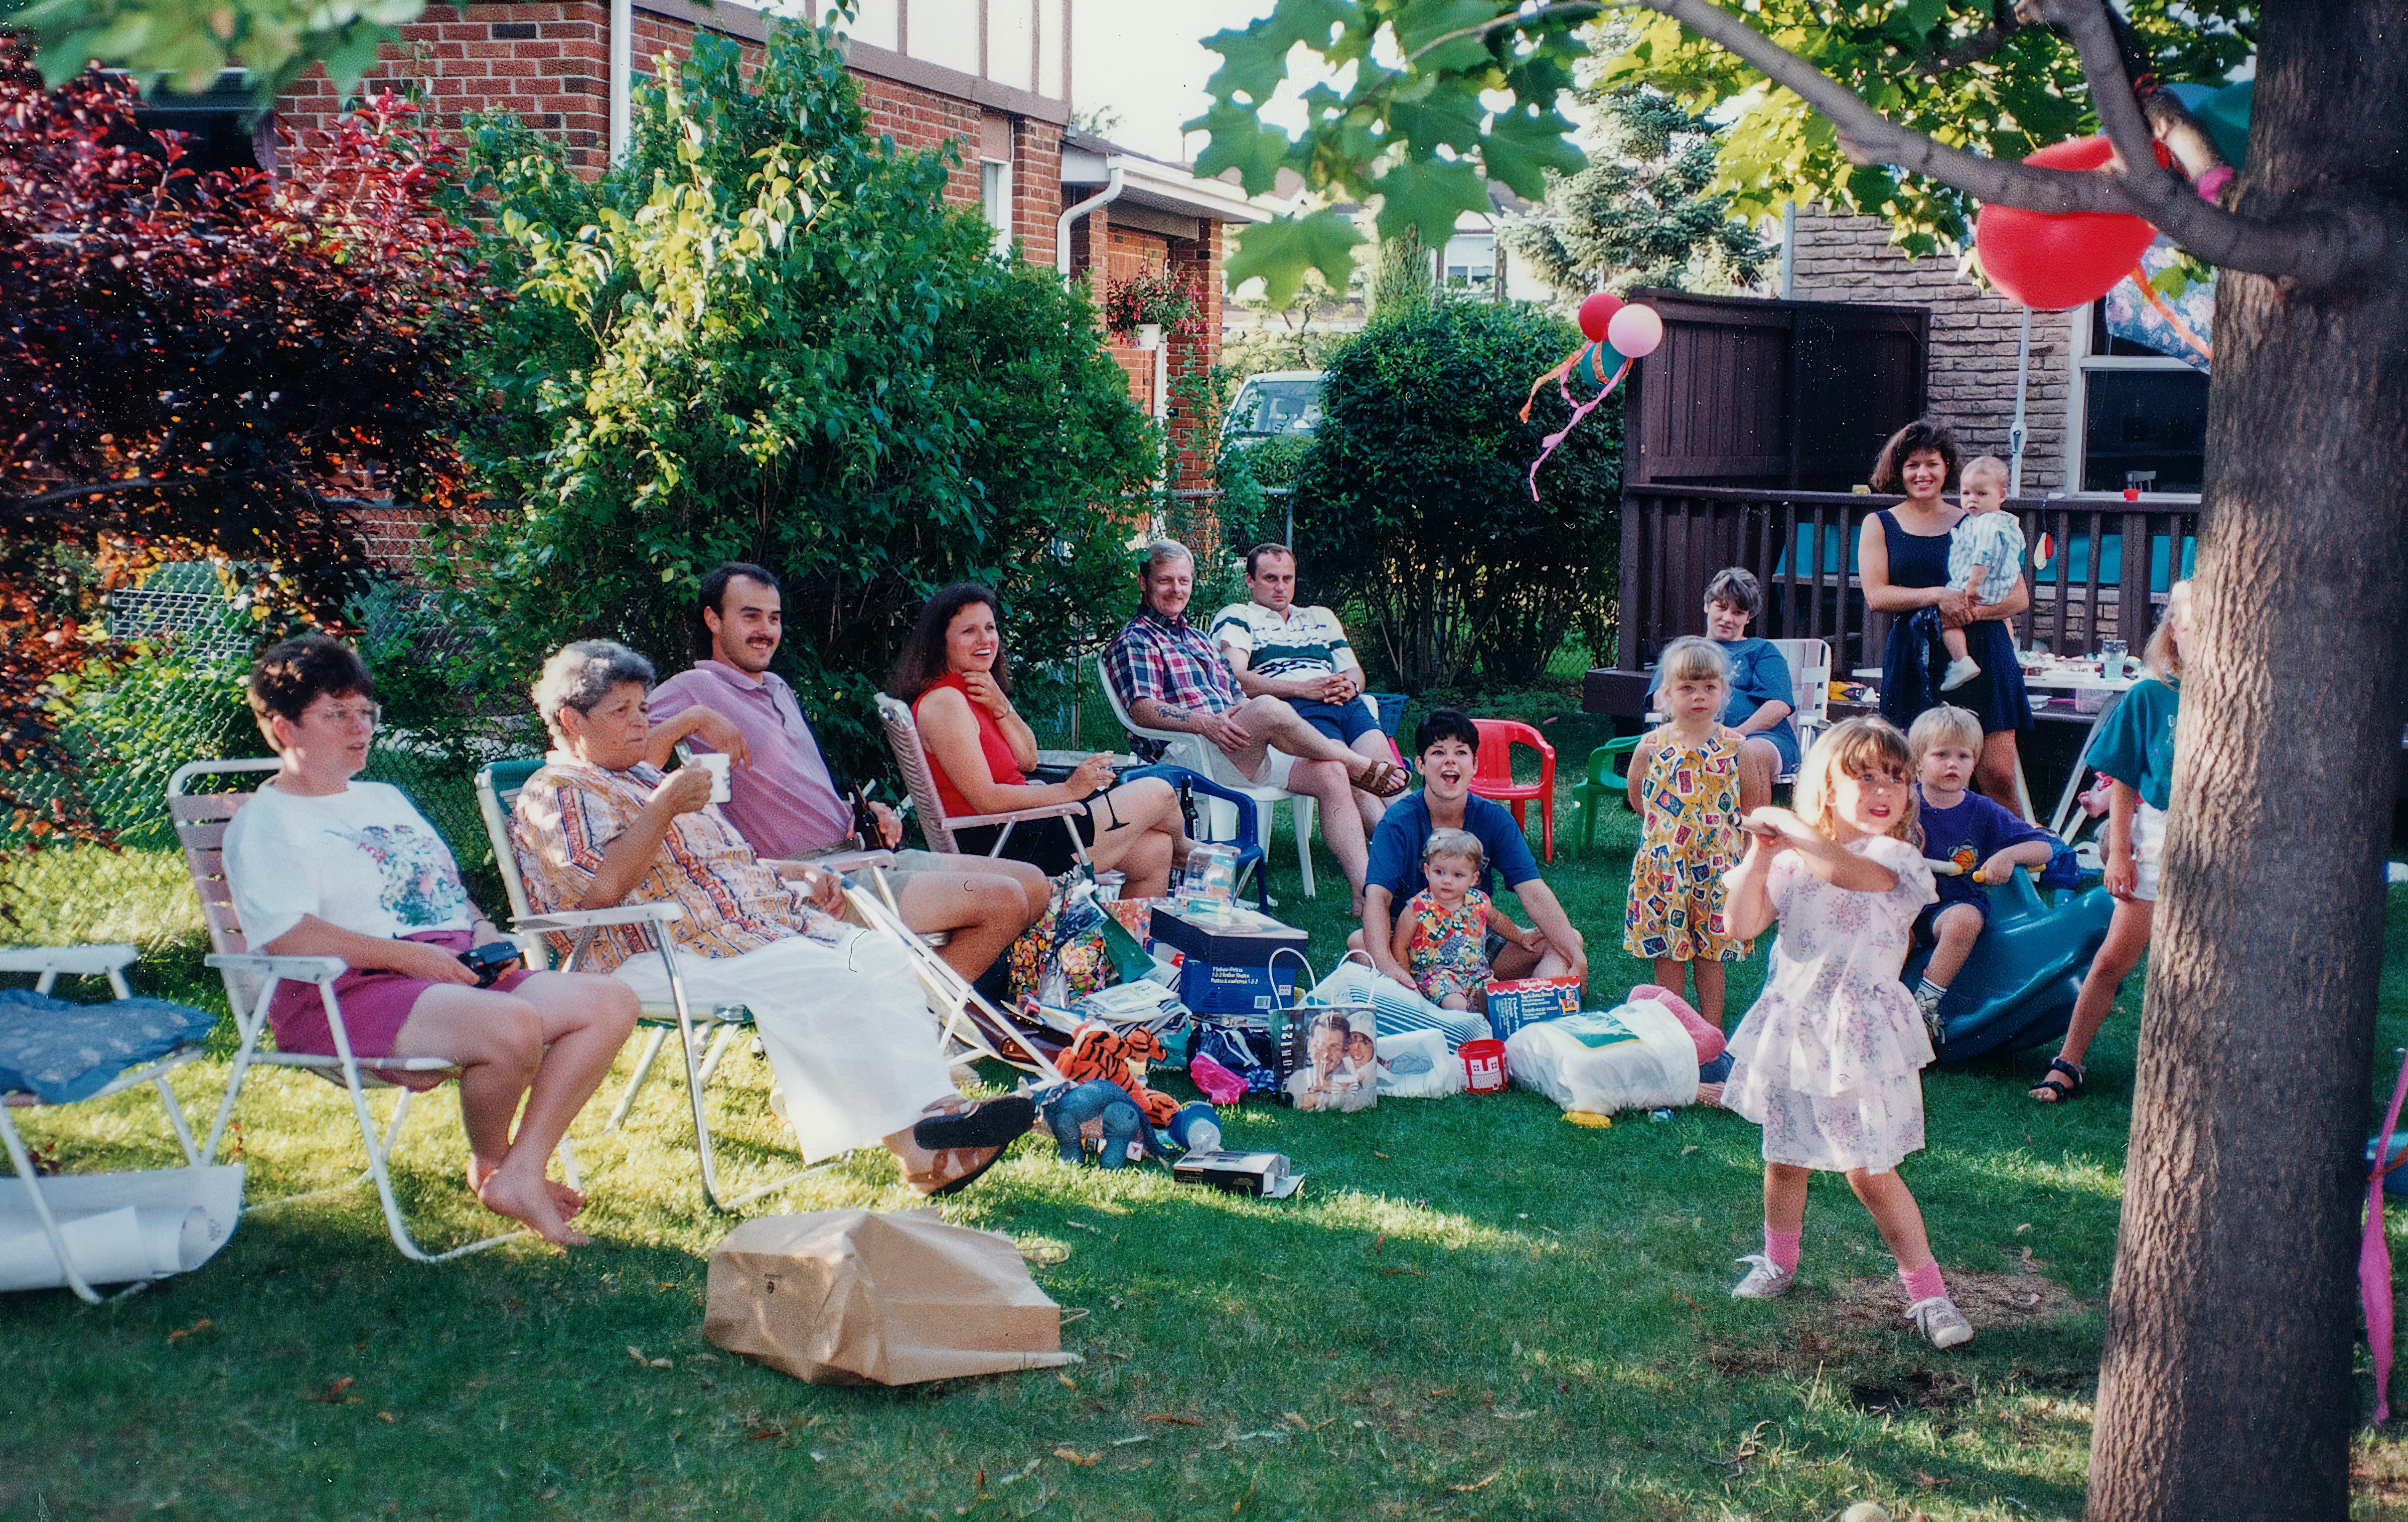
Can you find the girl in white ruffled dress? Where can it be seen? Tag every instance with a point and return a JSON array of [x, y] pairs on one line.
[[1829, 1060]]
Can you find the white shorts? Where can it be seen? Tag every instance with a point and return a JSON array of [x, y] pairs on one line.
[[2148, 850]]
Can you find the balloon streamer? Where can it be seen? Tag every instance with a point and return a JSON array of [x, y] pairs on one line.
[[2374, 1256], [2140, 277], [1556, 375], [1580, 411]]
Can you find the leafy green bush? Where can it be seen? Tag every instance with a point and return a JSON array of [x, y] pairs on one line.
[[1414, 504], [765, 336]]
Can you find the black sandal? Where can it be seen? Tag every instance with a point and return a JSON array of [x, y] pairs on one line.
[[989, 1122], [2062, 1091]]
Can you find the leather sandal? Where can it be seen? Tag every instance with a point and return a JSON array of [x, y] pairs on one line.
[[2059, 1089], [1384, 779], [989, 1122], [953, 1169]]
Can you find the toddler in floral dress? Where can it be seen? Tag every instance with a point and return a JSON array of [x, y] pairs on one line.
[[1441, 936], [1685, 787], [1829, 1061]]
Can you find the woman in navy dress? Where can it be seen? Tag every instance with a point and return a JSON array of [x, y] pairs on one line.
[[1903, 561]]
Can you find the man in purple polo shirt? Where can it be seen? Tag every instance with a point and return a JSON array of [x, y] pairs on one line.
[[785, 803]]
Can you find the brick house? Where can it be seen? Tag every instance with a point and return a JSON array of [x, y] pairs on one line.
[[2097, 407], [990, 77]]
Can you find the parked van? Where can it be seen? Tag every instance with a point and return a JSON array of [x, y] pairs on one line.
[[1274, 404]]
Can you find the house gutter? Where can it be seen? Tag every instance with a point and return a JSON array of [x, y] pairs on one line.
[[1117, 177], [623, 76]]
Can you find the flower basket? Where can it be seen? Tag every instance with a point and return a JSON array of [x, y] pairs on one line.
[[1155, 300]]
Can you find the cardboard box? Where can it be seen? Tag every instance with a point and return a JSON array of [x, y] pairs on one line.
[[1519, 1001], [1226, 958], [1263, 1174]]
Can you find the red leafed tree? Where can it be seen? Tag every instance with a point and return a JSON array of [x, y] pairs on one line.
[[205, 363]]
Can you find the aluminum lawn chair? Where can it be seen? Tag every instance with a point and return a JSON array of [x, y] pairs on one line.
[[703, 1038], [47, 963], [920, 780], [250, 983]]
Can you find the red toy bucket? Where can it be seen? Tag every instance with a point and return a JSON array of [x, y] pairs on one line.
[[1484, 1063]]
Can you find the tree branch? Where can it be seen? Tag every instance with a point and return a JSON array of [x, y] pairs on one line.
[[1517, 18], [2318, 250], [2086, 23], [1981, 44]]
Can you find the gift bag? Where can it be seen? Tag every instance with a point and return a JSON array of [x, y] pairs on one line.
[[1331, 1058], [853, 1297]]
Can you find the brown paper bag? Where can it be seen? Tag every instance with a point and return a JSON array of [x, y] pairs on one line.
[[853, 1297]]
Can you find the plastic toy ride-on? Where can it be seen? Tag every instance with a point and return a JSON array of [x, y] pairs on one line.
[[2017, 988]]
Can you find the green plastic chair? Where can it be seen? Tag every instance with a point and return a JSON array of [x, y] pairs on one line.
[[1602, 782]]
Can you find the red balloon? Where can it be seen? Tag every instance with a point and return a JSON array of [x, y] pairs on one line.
[[2048, 260], [1596, 313]]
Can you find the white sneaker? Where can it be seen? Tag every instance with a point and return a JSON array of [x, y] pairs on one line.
[[1939, 1319], [1928, 1005], [1765, 1279], [1960, 671]]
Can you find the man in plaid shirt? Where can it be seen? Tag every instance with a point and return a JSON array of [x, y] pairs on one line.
[[1171, 675]]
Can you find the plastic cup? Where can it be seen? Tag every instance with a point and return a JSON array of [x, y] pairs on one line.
[[715, 764]]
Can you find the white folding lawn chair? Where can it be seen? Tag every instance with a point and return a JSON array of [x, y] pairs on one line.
[[1810, 682], [251, 980], [702, 1039], [1199, 754], [47, 963]]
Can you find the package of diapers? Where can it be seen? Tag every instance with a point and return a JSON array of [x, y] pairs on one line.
[[1634, 1056]]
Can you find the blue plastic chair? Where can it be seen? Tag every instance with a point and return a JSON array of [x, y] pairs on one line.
[[1250, 847]]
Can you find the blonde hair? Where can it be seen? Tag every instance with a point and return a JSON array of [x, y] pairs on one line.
[[1985, 465], [1692, 658], [1944, 722], [1453, 842], [2159, 654], [1854, 746]]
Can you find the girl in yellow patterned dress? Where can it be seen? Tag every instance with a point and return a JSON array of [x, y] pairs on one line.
[[1685, 787]]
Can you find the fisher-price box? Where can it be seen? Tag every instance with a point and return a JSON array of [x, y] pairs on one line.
[[1513, 1003], [1228, 957]]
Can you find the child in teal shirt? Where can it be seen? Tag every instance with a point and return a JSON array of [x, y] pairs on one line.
[[2135, 751]]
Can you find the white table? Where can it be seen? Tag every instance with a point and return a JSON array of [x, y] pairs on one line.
[[2076, 677]]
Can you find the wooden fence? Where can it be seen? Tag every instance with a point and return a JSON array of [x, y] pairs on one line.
[[1801, 545]]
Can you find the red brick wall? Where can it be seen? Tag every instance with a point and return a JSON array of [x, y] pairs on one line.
[[917, 118], [548, 62], [1200, 262]]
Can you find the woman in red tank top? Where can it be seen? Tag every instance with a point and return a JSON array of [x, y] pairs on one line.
[[957, 677]]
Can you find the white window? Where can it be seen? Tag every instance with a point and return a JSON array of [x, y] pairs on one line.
[[994, 201], [2137, 417], [1469, 260]]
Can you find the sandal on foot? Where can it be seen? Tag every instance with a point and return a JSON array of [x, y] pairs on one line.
[[940, 1178], [989, 1122], [1384, 779], [2059, 1091]]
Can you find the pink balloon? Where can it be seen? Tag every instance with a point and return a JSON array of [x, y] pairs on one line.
[[1634, 331]]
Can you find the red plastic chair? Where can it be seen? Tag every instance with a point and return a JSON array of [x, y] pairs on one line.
[[1492, 775]]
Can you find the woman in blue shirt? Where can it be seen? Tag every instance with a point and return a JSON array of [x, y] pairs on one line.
[[1761, 689]]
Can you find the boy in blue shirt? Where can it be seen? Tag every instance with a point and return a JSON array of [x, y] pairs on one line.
[[1447, 744], [1981, 840]]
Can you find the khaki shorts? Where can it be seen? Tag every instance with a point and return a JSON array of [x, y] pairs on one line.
[[908, 864]]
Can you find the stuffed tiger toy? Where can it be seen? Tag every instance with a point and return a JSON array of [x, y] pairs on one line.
[[1119, 1056]]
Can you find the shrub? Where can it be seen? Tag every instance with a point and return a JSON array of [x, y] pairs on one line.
[[1413, 503]]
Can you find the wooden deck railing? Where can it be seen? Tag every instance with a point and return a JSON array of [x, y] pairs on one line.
[[1801, 545]]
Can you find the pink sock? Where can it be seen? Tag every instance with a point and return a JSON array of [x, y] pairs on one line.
[[1923, 1283], [1782, 1247]]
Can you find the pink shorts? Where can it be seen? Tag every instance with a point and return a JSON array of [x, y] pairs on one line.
[[374, 1003]]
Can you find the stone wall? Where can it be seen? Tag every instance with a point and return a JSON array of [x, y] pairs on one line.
[[1973, 337]]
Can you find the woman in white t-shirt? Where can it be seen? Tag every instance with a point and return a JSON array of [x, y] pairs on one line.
[[324, 865]]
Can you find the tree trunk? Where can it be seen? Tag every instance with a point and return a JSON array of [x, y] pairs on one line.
[[2225, 1389]]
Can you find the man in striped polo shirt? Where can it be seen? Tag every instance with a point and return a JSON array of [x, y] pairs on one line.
[[1279, 649]]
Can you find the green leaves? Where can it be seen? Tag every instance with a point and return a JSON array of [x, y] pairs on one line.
[[1470, 88], [1282, 251], [191, 41], [1427, 194]]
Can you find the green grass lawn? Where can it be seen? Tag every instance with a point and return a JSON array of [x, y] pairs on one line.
[[1472, 1310]]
